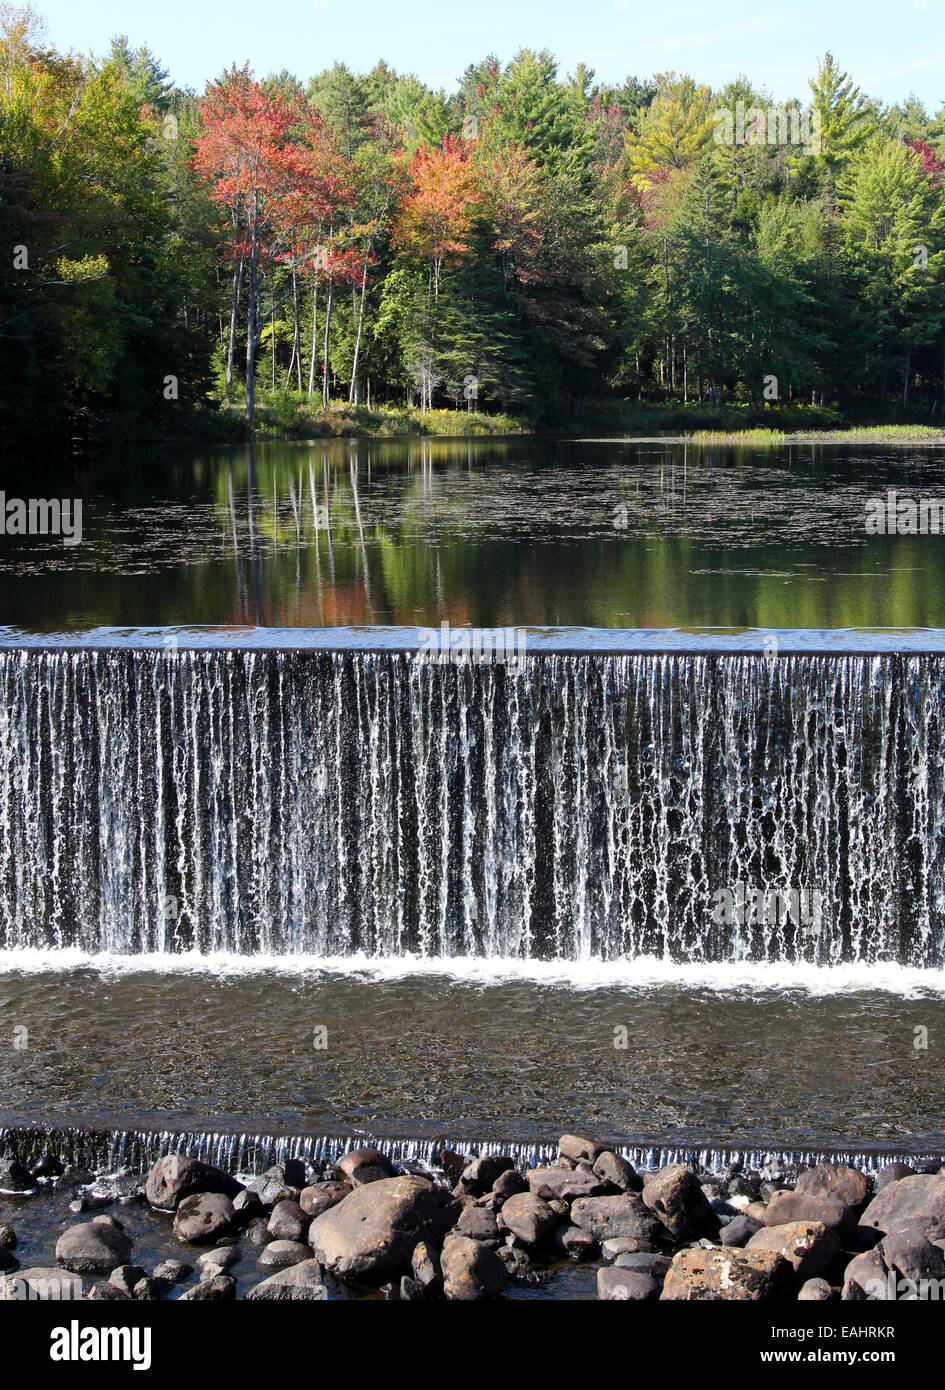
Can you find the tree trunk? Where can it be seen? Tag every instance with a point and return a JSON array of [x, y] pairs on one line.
[[331, 287], [234, 310], [311, 360]]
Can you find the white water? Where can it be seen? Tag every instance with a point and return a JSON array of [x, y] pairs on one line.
[[571, 818]]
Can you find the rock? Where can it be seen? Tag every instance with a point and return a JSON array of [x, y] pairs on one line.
[[846, 1185], [219, 1260], [613, 1169], [724, 1274], [625, 1245], [106, 1292], [563, 1183], [913, 1257], [274, 1186], [509, 1184], [125, 1277], [319, 1196], [147, 1289], [302, 1283], [529, 1219], [866, 1279], [574, 1241], [892, 1172], [247, 1205], [739, 1231], [49, 1166], [756, 1211], [787, 1207], [479, 1175], [609, 1217], [627, 1285], [90, 1201], [279, 1253], [221, 1288], [41, 1282], [176, 1176], [289, 1221], [675, 1197], [815, 1291], [371, 1234], [93, 1247], [453, 1163], [656, 1266], [574, 1147], [257, 1232], [14, 1177], [471, 1271], [478, 1223], [174, 1271], [360, 1166], [916, 1202], [808, 1246], [7, 1236], [425, 1264], [204, 1218], [410, 1291]]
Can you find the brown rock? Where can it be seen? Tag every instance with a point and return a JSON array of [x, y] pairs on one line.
[[808, 1246], [728, 1275]]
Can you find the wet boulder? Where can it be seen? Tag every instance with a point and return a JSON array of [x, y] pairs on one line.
[[576, 1148], [480, 1173], [94, 1247], [288, 1221], [739, 1231], [626, 1285], [370, 1235], [204, 1218], [175, 1176], [319, 1196], [529, 1219], [608, 1218], [615, 1170], [361, 1166], [300, 1283], [677, 1200], [564, 1184], [846, 1185], [912, 1203], [279, 1253], [471, 1271], [807, 1246], [786, 1207], [220, 1289]]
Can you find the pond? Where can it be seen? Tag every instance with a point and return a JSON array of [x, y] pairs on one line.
[[528, 531]]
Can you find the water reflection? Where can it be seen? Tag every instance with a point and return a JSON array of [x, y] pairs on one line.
[[487, 532]]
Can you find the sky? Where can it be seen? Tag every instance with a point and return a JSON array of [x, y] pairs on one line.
[[890, 47]]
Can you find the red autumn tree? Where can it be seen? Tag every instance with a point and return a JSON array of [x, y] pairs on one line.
[[440, 209], [261, 172]]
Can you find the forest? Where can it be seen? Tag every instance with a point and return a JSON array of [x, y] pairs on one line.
[[529, 247]]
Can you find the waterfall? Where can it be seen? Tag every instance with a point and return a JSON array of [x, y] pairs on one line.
[[574, 804]]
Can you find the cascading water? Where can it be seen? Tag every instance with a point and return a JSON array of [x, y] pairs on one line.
[[575, 804]]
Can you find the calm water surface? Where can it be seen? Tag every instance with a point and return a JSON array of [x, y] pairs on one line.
[[488, 533]]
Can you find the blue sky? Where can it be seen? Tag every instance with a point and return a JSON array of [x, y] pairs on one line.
[[890, 47]]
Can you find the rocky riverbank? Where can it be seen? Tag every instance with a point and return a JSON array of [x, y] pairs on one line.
[[475, 1228]]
